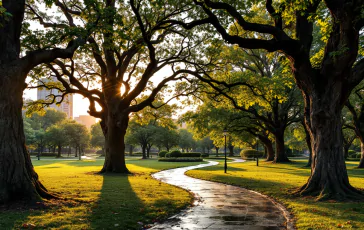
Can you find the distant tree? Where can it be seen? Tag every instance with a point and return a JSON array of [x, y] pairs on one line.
[[78, 136], [186, 141], [142, 135], [57, 136], [165, 137], [46, 118], [97, 137]]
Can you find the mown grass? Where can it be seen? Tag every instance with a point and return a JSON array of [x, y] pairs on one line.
[[278, 180], [109, 201]]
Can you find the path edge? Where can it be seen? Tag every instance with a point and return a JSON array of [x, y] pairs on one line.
[[290, 220]]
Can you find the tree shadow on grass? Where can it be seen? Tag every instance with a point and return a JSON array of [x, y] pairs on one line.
[[118, 205], [133, 201]]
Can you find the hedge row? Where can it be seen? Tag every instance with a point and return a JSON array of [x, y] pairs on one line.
[[44, 154], [181, 159], [355, 155], [250, 153], [176, 153]]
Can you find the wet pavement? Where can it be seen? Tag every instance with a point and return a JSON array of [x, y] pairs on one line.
[[220, 206]]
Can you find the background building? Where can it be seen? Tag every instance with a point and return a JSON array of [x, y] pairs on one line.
[[86, 120], [66, 106]]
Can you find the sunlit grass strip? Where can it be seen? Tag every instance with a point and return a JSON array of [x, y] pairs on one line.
[[278, 180], [111, 201]]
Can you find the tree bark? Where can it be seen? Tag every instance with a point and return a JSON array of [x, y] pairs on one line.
[[308, 142], [361, 164], [280, 155], [18, 180], [268, 147], [115, 144], [217, 151], [329, 178]]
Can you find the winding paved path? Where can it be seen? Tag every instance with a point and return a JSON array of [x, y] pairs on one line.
[[220, 206]]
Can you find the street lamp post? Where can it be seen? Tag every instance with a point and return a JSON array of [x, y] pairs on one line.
[[225, 134], [257, 153]]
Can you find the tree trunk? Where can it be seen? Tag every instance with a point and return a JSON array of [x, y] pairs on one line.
[[217, 151], [361, 164], [79, 153], [148, 151], [308, 141], [231, 150], [329, 178], [346, 151], [59, 151], [18, 180], [144, 152], [131, 150], [280, 155], [269, 148], [115, 144]]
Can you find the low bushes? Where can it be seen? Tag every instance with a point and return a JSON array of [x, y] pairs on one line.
[[162, 153], [44, 154], [191, 155], [178, 154], [181, 159], [175, 153], [355, 155], [250, 153]]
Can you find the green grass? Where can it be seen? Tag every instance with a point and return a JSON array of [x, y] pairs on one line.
[[278, 180], [110, 201]]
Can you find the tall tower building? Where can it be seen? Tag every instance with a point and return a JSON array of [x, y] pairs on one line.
[[66, 106]]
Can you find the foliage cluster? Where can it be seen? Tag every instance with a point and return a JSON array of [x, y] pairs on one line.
[[250, 153]]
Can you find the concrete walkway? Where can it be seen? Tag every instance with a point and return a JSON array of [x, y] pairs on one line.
[[219, 206]]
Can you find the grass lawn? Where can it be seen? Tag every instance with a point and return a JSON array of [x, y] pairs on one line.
[[277, 180], [110, 201]]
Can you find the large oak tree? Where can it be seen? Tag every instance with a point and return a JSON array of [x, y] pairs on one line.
[[133, 44], [325, 82], [18, 180]]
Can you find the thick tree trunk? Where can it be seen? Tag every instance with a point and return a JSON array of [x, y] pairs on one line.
[[115, 145], [18, 180], [268, 147], [329, 178], [280, 155], [270, 151], [308, 142]]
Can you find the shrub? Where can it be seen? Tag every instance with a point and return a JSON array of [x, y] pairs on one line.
[[250, 153], [351, 152], [168, 155], [190, 155], [137, 154], [175, 153], [358, 155], [44, 154], [181, 159], [162, 153], [205, 155]]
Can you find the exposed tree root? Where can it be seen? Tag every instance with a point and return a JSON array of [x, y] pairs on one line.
[[331, 191]]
